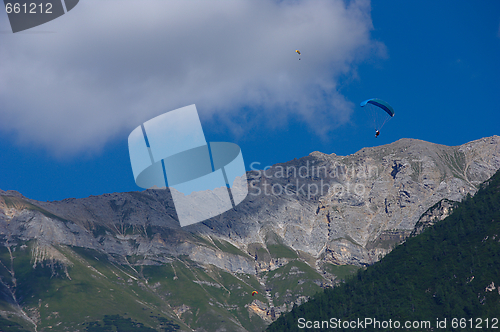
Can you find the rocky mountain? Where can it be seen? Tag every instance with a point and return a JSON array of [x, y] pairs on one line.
[[304, 225]]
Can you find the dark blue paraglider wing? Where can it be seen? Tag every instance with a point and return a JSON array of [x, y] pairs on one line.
[[380, 103]]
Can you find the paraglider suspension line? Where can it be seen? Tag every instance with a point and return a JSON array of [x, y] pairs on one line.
[[383, 124]]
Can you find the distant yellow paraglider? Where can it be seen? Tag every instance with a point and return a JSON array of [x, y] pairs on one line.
[[254, 292], [298, 52]]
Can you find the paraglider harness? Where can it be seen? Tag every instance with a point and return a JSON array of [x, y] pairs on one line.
[[377, 133]]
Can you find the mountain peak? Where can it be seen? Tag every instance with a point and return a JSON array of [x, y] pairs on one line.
[[11, 193]]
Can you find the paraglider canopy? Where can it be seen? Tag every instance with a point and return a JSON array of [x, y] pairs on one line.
[[298, 52], [254, 292], [380, 103]]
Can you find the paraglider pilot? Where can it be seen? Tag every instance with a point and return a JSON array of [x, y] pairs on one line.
[[377, 133]]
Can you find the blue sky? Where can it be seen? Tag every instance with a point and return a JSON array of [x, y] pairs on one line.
[[73, 89]]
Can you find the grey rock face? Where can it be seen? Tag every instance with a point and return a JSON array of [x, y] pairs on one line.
[[353, 209], [337, 209], [438, 212]]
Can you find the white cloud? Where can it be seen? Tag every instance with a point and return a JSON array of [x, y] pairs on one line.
[[114, 64]]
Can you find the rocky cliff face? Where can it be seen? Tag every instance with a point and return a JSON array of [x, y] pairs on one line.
[[437, 212], [350, 210], [319, 210]]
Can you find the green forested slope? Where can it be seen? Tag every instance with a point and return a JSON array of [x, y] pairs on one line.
[[450, 271]]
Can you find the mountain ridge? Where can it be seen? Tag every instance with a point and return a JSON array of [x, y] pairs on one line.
[[118, 207]]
